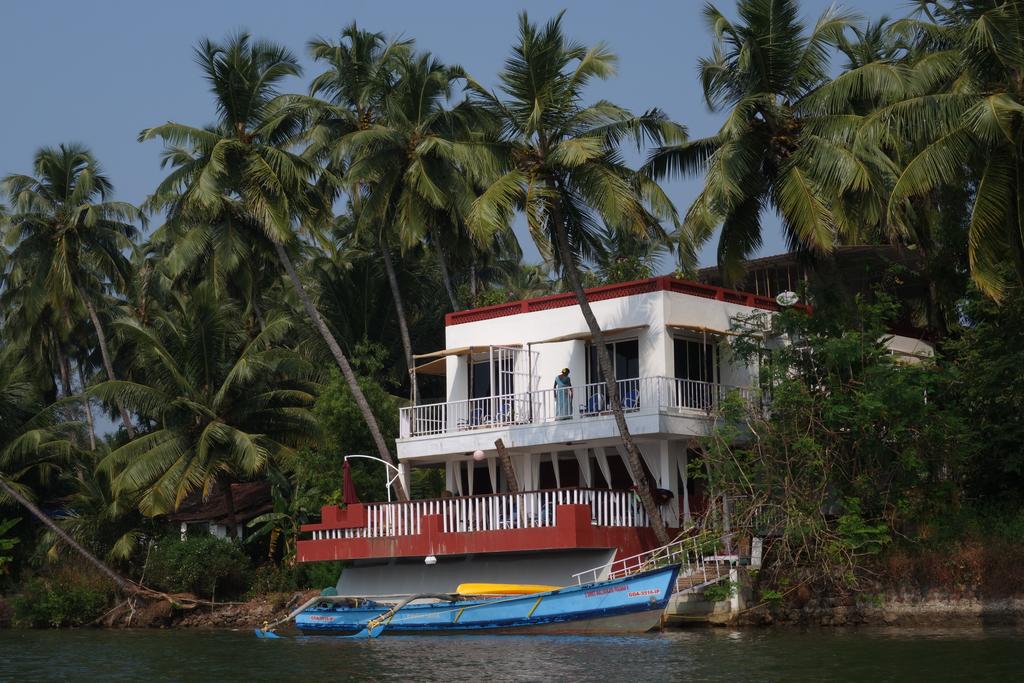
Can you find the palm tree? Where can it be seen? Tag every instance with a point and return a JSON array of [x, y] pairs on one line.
[[769, 153], [69, 241], [243, 169], [563, 168], [223, 405], [33, 445], [964, 107], [411, 170], [626, 256]]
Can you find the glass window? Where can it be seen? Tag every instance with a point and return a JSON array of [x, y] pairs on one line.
[[695, 360], [625, 356], [480, 380], [627, 359]]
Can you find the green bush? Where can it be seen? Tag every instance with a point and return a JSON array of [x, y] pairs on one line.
[[203, 565], [723, 590], [320, 574], [271, 578], [62, 601]]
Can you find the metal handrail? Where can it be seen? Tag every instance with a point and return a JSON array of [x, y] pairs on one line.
[[686, 550], [544, 405]]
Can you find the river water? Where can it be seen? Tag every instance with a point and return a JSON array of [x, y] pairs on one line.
[[875, 654]]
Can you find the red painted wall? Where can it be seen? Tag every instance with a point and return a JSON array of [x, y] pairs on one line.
[[572, 530]]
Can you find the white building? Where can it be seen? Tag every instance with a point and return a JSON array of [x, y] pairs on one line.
[[500, 363]]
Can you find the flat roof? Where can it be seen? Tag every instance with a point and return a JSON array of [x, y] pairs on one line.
[[664, 283]]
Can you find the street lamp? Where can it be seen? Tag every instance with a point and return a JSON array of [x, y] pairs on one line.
[[391, 477]]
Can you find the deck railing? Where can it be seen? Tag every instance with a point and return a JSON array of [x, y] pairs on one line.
[[554, 405], [495, 512], [692, 552]]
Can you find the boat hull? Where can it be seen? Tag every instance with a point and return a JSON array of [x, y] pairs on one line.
[[632, 604]]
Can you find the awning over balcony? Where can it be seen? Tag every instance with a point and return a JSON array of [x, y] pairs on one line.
[[699, 329], [585, 336], [436, 365]]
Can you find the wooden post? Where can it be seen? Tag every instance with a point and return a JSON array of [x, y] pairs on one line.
[[506, 466]]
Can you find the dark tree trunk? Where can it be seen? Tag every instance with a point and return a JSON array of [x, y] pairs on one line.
[[65, 370], [343, 364], [88, 411], [506, 465], [62, 535], [442, 262], [258, 314], [472, 277], [107, 364], [633, 457], [403, 326]]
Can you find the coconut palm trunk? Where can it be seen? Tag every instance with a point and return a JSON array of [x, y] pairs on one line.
[[343, 364], [88, 410], [62, 535], [403, 325], [633, 458], [107, 364], [65, 372], [442, 263]]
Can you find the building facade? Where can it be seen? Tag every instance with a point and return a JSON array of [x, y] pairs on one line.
[[570, 506]]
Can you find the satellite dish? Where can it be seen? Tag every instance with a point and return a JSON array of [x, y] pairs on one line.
[[787, 298]]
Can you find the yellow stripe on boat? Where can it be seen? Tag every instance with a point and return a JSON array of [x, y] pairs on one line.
[[502, 588]]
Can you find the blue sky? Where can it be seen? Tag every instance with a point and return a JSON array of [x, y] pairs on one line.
[[99, 72]]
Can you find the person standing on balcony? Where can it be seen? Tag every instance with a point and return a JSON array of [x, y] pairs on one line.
[[563, 395]]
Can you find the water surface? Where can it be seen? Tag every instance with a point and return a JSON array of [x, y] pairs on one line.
[[874, 654]]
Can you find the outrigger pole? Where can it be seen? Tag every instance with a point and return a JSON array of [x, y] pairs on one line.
[[374, 627]]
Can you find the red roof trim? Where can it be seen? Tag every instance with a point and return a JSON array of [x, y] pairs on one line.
[[656, 284]]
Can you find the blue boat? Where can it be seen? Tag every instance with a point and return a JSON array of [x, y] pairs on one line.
[[630, 604]]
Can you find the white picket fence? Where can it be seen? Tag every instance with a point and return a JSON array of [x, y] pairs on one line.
[[527, 510]]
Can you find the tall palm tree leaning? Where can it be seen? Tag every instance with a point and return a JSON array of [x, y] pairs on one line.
[[563, 168], [70, 235], [243, 168], [33, 443], [768, 153], [387, 135], [412, 170]]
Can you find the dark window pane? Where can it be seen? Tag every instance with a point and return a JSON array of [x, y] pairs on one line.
[[627, 359], [481, 381]]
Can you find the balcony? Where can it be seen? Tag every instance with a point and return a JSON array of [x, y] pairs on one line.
[[505, 522], [495, 512], [645, 395]]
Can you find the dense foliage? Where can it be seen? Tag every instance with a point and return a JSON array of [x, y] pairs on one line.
[[305, 244], [202, 565]]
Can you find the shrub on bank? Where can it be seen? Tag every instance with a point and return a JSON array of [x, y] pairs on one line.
[[63, 600], [203, 565], [271, 578]]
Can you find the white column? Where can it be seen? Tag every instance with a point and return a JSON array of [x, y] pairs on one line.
[[602, 463], [405, 476], [625, 461], [524, 470], [651, 453], [583, 458], [684, 473], [470, 472], [554, 466], [450, 475], [669, 480], [492, 472]]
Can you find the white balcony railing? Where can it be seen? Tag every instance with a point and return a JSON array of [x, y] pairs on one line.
[[527, 510], [553, 405]]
